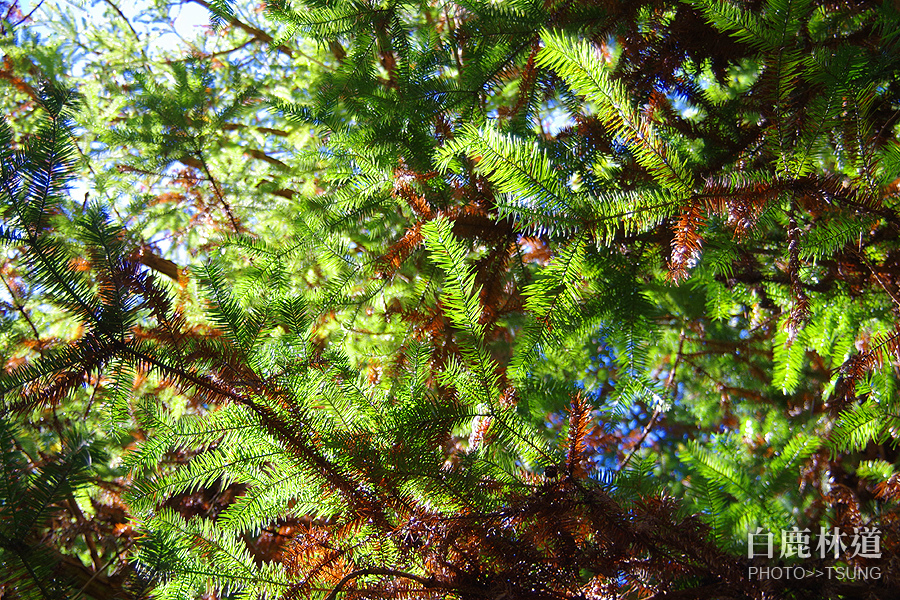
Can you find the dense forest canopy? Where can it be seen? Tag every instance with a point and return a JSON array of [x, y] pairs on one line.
[[478, 299]]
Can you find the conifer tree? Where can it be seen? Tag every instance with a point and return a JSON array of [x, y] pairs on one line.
[[550, 300]]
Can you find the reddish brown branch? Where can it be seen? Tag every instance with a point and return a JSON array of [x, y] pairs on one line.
[[254, 31]]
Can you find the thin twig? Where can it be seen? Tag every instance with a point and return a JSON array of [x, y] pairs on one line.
[[124, 18], [670, 383], [90, 402], [101, 570], [21, 309], [31, 12], [218, 191], [884, 286], [254, 31]]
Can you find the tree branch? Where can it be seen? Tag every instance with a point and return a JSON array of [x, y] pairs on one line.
[[254, 31], [670, 383], [218, 192], [376, 571], [19, 307], [119, 12]]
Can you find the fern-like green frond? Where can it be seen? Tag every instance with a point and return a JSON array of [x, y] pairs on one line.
[[579, 65]]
